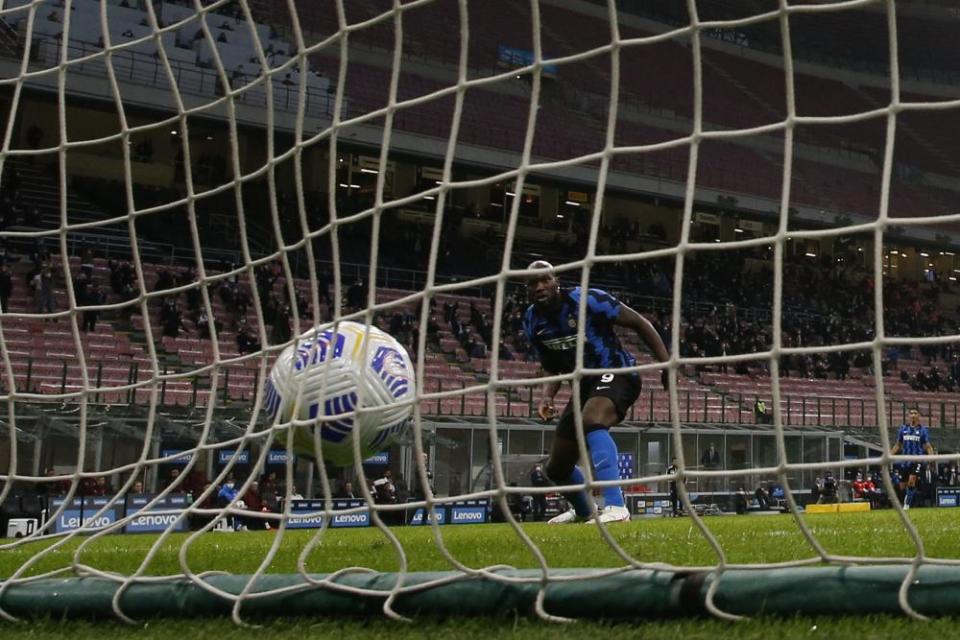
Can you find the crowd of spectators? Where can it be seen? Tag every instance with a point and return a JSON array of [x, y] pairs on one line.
[[728, 299], [727, 303]]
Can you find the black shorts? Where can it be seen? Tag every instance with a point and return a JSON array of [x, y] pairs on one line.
[[907, 469], [622, 388]]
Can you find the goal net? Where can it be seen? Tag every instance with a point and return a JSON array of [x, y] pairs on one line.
[[188, 186]]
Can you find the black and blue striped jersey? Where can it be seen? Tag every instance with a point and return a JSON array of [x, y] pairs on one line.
[[912, 439], [554, 334]]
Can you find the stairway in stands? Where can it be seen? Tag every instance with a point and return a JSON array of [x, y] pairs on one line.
[[40, 189]]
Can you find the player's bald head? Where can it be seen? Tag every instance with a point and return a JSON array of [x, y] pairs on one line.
[[543, 288], [540, 264]]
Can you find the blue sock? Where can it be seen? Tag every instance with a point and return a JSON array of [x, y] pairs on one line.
[[578, 499], [603, 453], [908, 499]]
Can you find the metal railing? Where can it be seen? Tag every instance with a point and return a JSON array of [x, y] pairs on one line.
[[712, 408], [148, 70]]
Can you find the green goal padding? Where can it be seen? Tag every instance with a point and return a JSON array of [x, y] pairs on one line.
[[593, 594]]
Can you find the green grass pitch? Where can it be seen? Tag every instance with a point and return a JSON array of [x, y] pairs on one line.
[[676, 541]]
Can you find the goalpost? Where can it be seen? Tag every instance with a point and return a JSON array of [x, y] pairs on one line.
[[283, 88]]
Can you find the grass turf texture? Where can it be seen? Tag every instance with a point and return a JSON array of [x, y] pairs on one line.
[[866, 628], [676, 541]]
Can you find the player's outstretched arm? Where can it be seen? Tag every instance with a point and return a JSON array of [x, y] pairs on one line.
[[630, 319]]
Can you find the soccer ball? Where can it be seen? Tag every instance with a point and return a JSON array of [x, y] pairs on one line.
[[340, 371]]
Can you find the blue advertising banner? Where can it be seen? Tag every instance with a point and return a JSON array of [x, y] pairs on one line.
[[180, 459], [439, 516], [469, 512], [468, 515], [513, 58], [160, 517], [224, 456], [275, 456], [948, 496], [300, 520], [80, 512], [378, 458]]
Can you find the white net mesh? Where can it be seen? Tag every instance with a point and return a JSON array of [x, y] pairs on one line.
[[236, 217]]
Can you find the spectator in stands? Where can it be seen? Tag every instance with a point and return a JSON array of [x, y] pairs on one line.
[[81, 287], [303, 306], [893, 357], [672, 470], [520, 505], [271, 304], [173, 322], [827, 489], [760, 413], [122, 279], [928, 485], [384, 491], [253, 503], [762, 496], [39, 254], [418, 491], [865, 489], [171, 478], [247, 341], [86, 263], [42, 285], [948, 474], [101, 487], [281, 325], [164, 281], [356, 296], [740, 501], [228, 295], [203, 325], [95, 296], [137, 487], [538, 478], [52, 488], [227, 494], [346, 491], [710, 461], [270, 492], [6, 288], [450, 311]]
